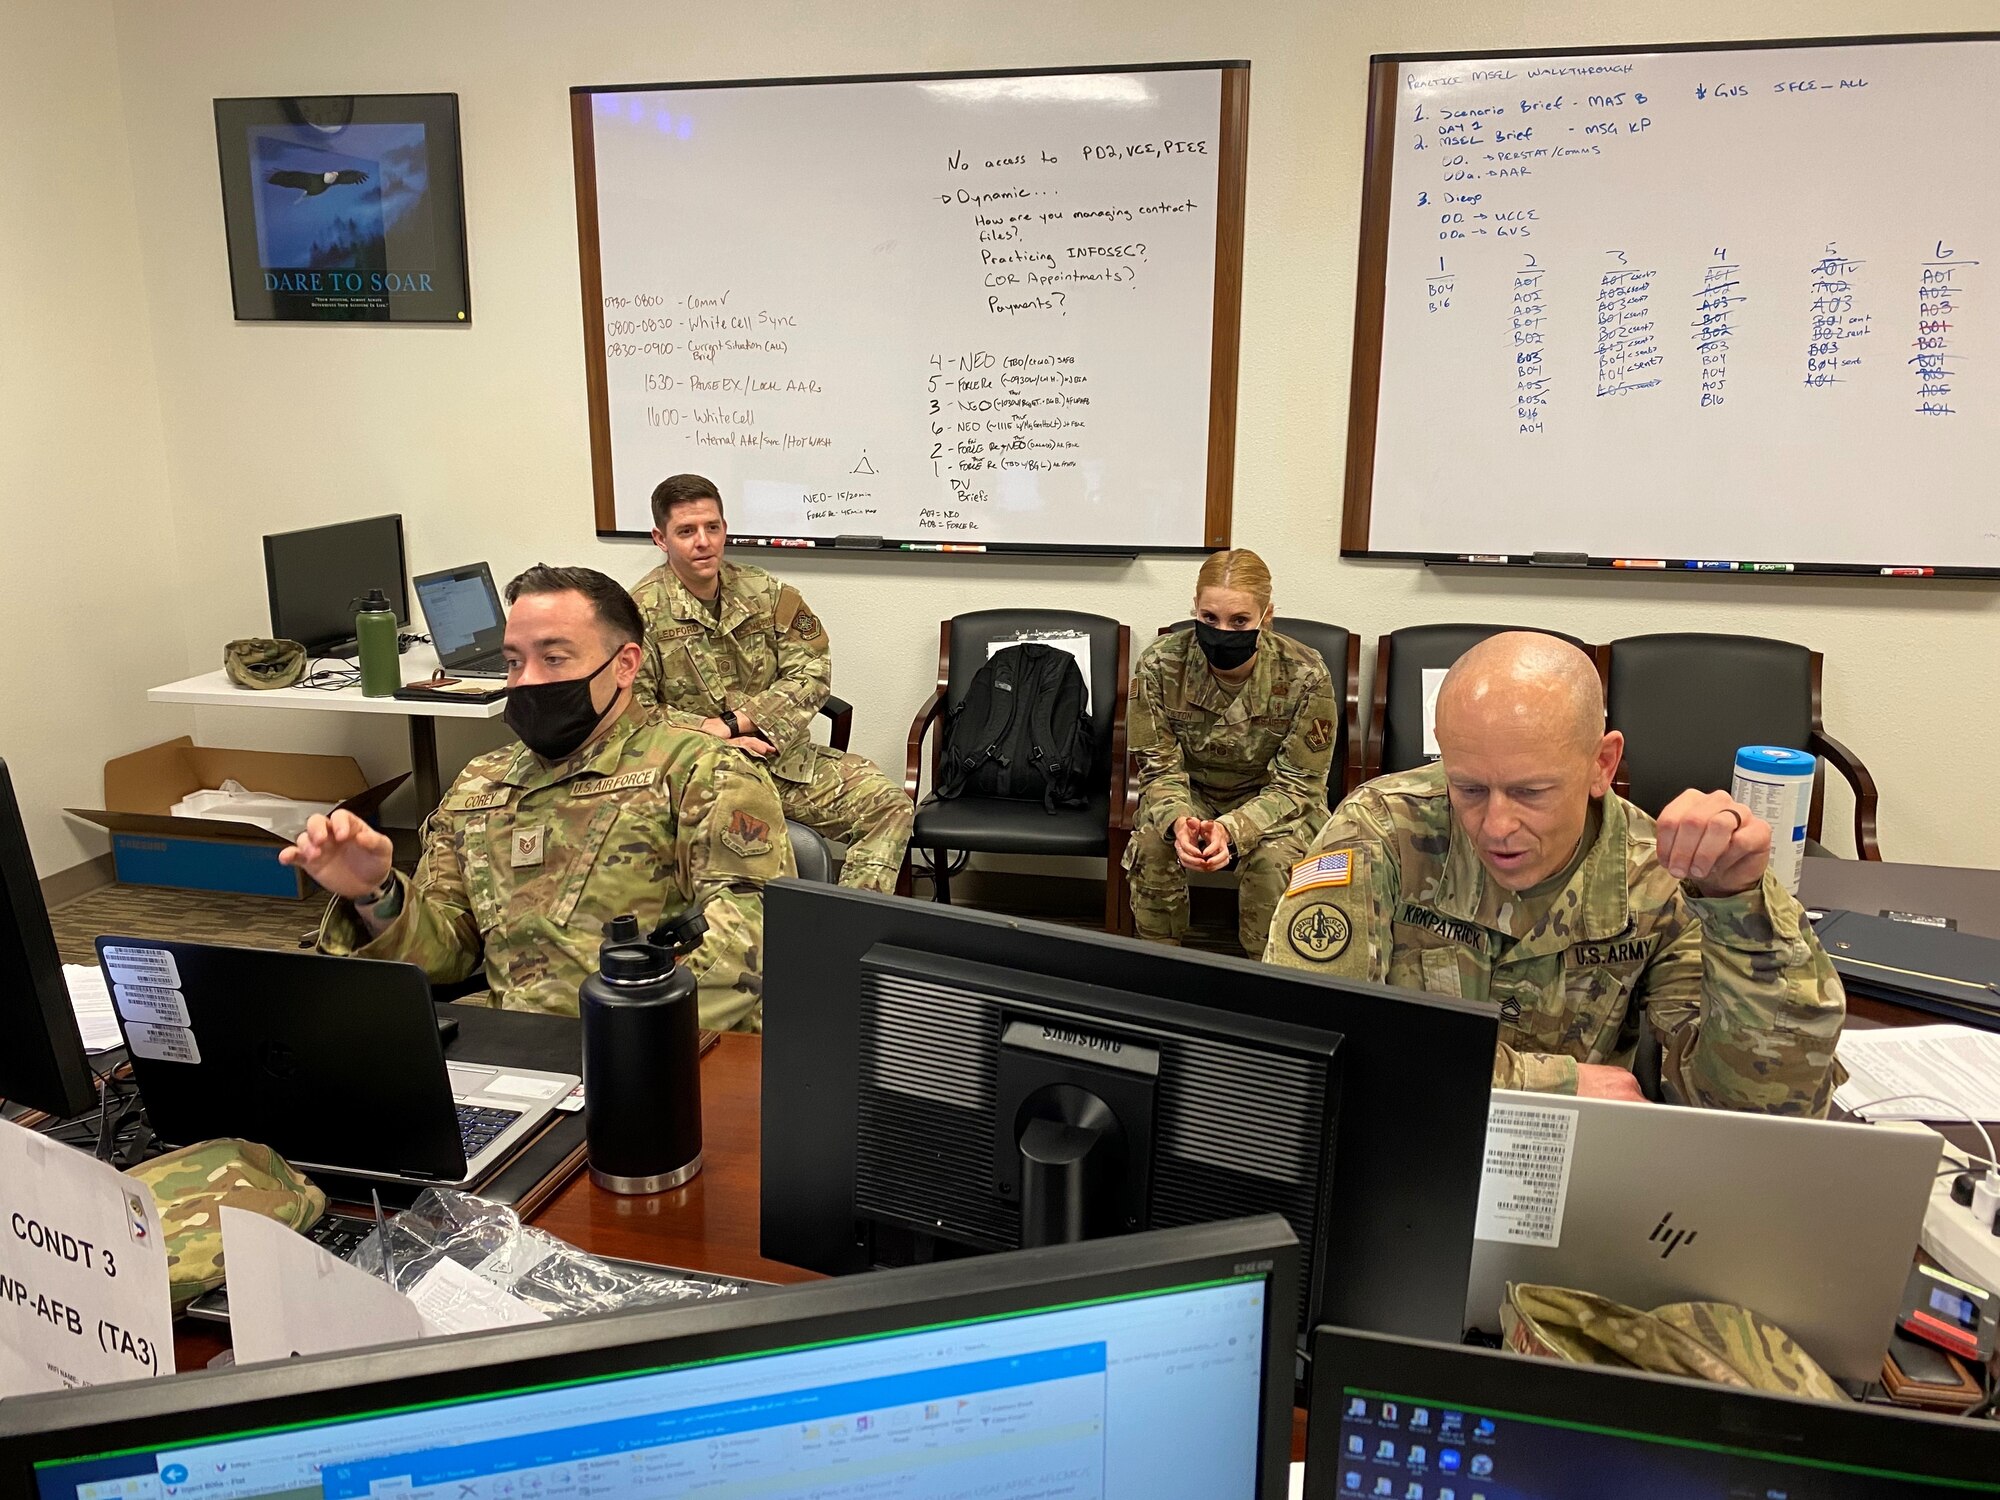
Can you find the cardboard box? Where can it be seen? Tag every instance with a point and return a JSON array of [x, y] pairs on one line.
[[152, 847]]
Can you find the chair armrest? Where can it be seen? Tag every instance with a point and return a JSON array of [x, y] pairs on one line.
[[1124, 785], [1350, 775], [1860, 782], [919, 727], [840, 716]]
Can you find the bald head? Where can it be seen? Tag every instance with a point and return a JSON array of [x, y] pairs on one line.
[[1521, 684], [1520, 729]]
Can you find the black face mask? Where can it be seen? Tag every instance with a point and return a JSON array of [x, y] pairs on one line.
[[1225, 649], [553, 718]]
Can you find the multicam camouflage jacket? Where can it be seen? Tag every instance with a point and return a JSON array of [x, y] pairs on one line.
[[526, 860], [1261, 751], [1746, 1006], [764, 654]]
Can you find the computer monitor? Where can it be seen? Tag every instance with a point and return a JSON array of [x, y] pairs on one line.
[[42, 1062], [1153, 1368], [315, 577], [939, 1082], [1399, 1418]]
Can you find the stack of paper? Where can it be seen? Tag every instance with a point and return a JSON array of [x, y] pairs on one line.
[[92, 1004], [1955, 1069]]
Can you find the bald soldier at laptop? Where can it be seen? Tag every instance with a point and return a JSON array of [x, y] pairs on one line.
[[1510, 871]]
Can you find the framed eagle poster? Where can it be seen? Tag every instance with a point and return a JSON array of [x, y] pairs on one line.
[[346, 208]]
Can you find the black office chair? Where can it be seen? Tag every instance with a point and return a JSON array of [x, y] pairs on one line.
[[814, 857], [1396, 716], [839, 714], [1687, 701], [995, 825]]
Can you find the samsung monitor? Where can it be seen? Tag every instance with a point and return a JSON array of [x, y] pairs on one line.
[[944, 1082], [1402, 1419], [42, 1062], [317, 577], [1158, 1367]]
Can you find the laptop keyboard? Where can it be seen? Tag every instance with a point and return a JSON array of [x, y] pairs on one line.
[[479, 1126], [339, 1234]]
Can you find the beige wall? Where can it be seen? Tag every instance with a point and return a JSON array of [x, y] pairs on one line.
[[89, 607], [478, 434]]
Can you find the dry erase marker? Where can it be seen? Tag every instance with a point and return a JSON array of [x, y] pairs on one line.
[[1909, 572], [963, 547], [1638, 562], [1769, 568], [1702, 565], [1484, 557], [922, 546], [782, 541]]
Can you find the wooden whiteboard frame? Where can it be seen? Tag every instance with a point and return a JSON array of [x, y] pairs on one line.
[[1371, 292], [1232, 176]]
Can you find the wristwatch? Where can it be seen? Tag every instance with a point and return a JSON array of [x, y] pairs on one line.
[[728, 717], [381, 892]]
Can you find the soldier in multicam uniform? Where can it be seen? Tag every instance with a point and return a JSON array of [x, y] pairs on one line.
[[1510, 872], [736, 654], [602, 808], [1232, 725]]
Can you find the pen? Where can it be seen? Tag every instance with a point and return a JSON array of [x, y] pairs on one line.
[[1909, 572], [382, 1234], [1484, 557], [1703, 566], [1638, 562]]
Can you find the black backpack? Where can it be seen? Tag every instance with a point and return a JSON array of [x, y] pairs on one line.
[[1021, 731]]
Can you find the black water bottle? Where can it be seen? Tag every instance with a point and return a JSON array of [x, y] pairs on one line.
[[642, 1057]]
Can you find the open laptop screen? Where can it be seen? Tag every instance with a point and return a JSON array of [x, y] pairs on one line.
[[462, 610]]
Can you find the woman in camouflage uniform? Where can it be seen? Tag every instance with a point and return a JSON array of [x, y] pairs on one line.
[[1232, 725]]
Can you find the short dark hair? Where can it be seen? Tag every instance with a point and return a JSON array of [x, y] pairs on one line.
[[613, 606], [680, 489]]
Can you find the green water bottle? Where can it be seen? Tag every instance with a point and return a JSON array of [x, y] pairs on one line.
[[375, 629]]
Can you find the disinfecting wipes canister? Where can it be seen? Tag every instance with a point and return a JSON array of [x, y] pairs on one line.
[[1776, 784]]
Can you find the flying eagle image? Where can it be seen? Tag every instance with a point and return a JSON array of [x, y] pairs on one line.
[[312, 184]]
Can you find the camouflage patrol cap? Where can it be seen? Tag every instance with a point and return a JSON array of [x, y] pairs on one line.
[[193, 1185], [1712, 1341], [255, 662]]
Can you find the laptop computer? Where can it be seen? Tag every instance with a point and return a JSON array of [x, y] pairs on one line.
[[467, 624], [335, 1063], [1810, 1223]]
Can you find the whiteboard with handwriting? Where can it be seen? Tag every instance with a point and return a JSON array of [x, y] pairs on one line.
[[969, 310], [1726, 304]]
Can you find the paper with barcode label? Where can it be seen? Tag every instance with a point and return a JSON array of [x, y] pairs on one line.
[[1526, 1181], [129, 965], [148, 1002]]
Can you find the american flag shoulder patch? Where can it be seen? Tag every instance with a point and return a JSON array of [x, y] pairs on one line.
[[1325, 869]]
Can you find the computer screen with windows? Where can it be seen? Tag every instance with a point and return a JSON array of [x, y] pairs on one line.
[[1061, 1389], [461, 610], [1396, 1420]]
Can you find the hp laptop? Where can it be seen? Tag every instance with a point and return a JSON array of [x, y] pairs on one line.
[[1810, 1223], [335, 1063], [462, 609]]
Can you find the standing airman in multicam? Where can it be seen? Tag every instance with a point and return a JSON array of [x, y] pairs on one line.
[[602, 808], [1233, 726], [1509, 871], [736, 654]]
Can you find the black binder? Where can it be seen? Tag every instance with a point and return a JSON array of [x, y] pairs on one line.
[[1954, 974]]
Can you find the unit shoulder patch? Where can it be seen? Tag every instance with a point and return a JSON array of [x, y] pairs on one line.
[[745, 835], [1320, 932]]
